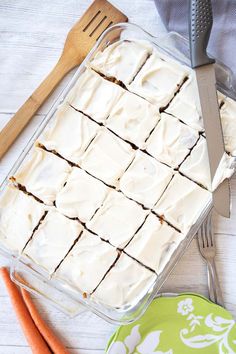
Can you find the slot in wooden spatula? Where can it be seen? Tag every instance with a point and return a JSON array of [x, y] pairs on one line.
[[81, 38]]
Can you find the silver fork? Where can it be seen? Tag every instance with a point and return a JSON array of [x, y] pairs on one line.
[[207, 248]]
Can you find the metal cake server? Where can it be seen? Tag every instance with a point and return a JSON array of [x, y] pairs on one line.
[[199, 32]]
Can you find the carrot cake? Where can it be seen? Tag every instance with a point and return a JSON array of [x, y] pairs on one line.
[[81, 196], [152, 84], [118, 219], [117, 179], [186, 105], [122, 59], [52, 240], [171, 141], [19, 216], [94, 95], [154, 244], [69, 134], [145, 179], [43, 175], [107, 157], [133, 118], [126, 283], [87, 263], [182, 203]]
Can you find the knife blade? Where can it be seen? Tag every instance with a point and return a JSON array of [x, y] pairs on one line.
[[199, 32]]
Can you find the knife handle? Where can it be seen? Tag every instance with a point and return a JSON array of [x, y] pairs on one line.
[[200, 25]]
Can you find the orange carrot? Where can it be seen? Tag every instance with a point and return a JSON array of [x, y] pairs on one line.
[[53, 341], [32, 334]]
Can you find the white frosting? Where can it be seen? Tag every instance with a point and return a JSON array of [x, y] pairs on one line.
[[186, 105], [87, 263], [70, 133], [122, 59], [196, 166], [94, 95], [171, 141], [19, 215], [118, 219], [107, 157], [43, 175], [109, 213], [152, 83], [182, 203], [145, 179], [125, 284], [52, 240], [228, 119], [154, 243], [225, 170], [133, 118], [81, 196]]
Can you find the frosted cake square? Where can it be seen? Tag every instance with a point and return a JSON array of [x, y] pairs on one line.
[[122, 60], [87, 263], [171, 141], [107, 157], [70, 133], [126, 282], [145, 179], [94, 96], [52, 240], [154, 243], [43, 175], [19, 216], [182, 203], [186, 105], [133, 118], [196, 166], [118, 219], [152, 84], [81, 196]]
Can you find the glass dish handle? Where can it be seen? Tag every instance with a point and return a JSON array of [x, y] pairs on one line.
[[36, 285]]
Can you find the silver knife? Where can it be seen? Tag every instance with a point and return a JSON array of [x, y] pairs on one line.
[[199, 32]]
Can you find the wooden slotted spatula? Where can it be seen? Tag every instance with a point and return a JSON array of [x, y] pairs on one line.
[[81, 38]]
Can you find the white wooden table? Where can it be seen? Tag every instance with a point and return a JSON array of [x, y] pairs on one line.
[[32, 34]]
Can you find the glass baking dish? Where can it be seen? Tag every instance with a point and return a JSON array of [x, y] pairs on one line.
[[31, 276]]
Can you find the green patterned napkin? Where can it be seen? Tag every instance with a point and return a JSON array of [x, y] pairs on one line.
[[184, 324]]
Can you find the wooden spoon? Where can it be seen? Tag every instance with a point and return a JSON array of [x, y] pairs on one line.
[[81, 38]]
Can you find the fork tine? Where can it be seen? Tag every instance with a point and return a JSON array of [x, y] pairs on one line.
[[205, 237], [200, 237], [208, 231], [204, 234], [211, 236]]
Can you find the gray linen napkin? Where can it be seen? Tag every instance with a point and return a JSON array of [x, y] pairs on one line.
[[222, 45]]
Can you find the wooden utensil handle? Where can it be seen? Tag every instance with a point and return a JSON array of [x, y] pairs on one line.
[[21, 118]]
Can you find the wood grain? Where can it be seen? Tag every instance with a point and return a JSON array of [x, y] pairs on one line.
[[79, 41], [32, 34]]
